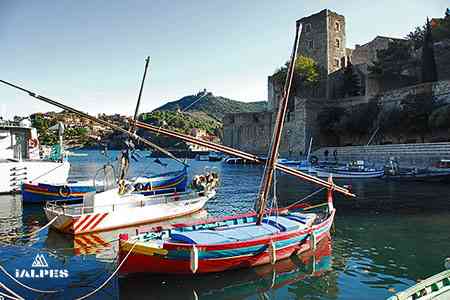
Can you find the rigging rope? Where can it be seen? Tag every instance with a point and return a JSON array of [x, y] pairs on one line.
[[16, 296], [26, 286], [110, 277], [305, 198], [48, 172]]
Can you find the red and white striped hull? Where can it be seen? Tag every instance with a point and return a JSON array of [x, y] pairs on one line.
[[119, 216]]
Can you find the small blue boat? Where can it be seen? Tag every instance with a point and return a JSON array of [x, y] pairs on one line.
[[175, 181], [42, 192]]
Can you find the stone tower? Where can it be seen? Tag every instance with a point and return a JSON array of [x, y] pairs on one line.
[[323, 39]]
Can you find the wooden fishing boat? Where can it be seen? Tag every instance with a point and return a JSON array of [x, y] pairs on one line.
[[232, 242], [323, 173], [435, 287], [419, 176], [227, 243], [302, 165], [238, 284], [435, 173], [110, 210], [36, 192], [354, 169]]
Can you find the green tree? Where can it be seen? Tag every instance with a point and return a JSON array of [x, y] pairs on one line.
[[416, 37], [306, 71], [392, 61], [429, 72]]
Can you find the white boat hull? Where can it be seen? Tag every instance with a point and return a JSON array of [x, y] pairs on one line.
[[349, 174], [112, 211], [14, 173]]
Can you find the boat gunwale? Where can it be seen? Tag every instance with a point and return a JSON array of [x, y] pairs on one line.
[[53, 207], [239, 244]]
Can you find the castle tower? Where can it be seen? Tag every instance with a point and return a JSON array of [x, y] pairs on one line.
[[323, 39]]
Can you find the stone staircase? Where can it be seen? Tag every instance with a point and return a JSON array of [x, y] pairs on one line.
[[419, 155]]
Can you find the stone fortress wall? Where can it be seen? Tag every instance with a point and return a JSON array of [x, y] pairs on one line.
[[323, 38]]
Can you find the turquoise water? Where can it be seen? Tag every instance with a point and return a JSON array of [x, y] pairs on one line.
[[384, 241]]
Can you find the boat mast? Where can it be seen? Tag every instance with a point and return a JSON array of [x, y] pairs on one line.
[[277, 130], [136, 111], [94, 119]]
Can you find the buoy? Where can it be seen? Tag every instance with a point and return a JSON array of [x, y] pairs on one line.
[[65, 191], [194, 259], [272, 252]]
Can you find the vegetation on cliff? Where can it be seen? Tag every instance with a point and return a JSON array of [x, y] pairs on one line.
[[306, 72], [206, 106], [416, 116], [203, 111], [78, 135]]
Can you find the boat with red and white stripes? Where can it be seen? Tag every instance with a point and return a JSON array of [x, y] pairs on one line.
[[110, 210]]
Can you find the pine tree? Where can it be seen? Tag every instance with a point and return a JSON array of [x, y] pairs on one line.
[[429, 73]]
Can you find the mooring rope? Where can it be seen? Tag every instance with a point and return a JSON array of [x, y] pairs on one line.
[[48, 172], [305, 198], [110, 277], [26, 286], [32, 233], [16, 296]]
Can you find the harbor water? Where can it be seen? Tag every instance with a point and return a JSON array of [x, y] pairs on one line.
[[385, 240]]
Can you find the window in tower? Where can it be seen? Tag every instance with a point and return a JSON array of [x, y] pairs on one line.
[[337, 26], [336, 63], [311, 44], [337, 43], [308, 27]]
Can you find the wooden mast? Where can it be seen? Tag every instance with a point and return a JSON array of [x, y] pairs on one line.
[[241, 154], [94, 119], [136, 111], [277, 131]]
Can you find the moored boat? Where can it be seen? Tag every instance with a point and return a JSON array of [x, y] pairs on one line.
[[238, 284], [227, 243], [110, 210], [437, 173], [20, 158], [354, 169], [36, 192], [42, 192], [233, 242], [435, 287]]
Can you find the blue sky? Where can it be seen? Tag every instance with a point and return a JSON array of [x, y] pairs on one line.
[[91, 53]]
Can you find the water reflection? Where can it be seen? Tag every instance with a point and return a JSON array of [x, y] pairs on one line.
[[389, 237], [306, 274]]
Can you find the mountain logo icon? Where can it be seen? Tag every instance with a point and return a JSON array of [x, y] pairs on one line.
[[39, 262]]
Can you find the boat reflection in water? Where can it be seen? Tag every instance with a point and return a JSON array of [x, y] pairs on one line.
[[259, 281], [104, 244]]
